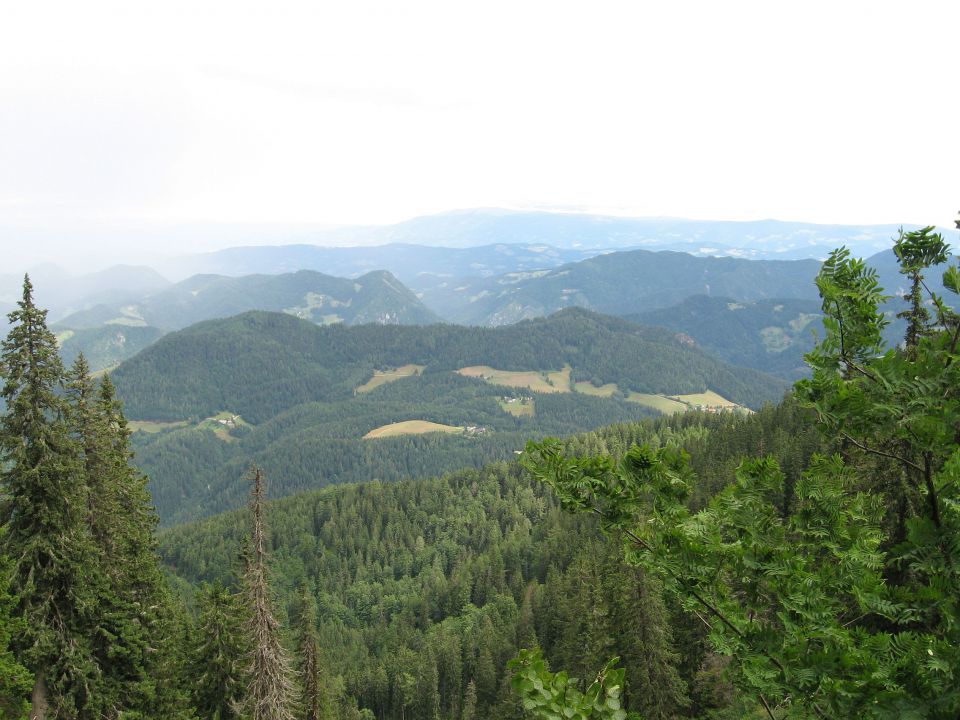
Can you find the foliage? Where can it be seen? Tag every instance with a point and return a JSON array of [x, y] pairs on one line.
[[550, 696], [840, 601], [442, 580], [217, 675], [15, 680], [89, 597]]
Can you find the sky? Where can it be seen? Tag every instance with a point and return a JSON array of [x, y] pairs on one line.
[[121, 119]]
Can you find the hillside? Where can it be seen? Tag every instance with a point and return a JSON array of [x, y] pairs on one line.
[[445, 578], [307, 395], [622, 283], [767, 335], [375, 297], [255, 356], [62, 293], [101, 331]]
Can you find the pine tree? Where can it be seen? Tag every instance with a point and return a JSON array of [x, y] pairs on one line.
[[315, 696], [470, 702], [271, 691], [15, 680], [218, 654], [44, 511], [133, 645]]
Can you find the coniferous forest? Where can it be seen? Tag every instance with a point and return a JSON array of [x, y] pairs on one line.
[[802, 561]]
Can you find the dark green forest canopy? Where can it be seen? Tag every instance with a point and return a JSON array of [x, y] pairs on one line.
[[258, 364], [295, 383], [446, 578]]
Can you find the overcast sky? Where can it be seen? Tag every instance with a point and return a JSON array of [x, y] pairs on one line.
[[119, 114]]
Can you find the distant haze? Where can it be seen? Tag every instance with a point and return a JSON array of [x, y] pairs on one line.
[[130, 131]]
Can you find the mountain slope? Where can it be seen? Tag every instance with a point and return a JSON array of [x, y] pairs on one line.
[[374, 297], [283, 392], [622, 283], [767, 335], [264, 362]]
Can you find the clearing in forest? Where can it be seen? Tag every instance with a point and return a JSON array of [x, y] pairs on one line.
[[151, 426], [588, 388], [544, 381], [658, 402], [410, 427], [708, 399], [382, 377], [222, 424], [518, 407]]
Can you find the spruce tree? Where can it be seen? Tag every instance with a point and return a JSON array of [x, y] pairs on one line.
[[315, 693], [133, 642], [218, 655], [15, 680], [271, 691], [43, 511]]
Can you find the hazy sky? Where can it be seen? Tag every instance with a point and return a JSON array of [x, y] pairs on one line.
[[120, 113]]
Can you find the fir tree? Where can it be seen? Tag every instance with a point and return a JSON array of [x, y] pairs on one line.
[[133, 642], [218, 655], [316, 696], [44, 508], [15, 680], [271, 691]]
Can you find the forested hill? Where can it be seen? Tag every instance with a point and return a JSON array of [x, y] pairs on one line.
[[768, 335], [376, 297], [443, 580], [622, 283], [258, 364]]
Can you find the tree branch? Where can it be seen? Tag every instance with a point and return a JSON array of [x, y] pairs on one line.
[[882, 453]]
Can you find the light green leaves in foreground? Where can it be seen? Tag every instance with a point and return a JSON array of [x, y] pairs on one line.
[[548, 696]]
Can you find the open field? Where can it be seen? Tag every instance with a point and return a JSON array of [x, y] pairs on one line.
[[410, 427], [588, 388], [381, 377], [519, 408], [658, 402], [545, 381], [149, 426], [706, 399]]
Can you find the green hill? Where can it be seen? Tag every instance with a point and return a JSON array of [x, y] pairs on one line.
[[108, 333], [263, 363], [445, 578], [767, 335], [376, 297], [294, 383]]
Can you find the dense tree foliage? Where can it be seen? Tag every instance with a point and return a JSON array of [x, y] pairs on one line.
[[259, 364], [424, 589], [89, 598], [194, 472], [840, 601]]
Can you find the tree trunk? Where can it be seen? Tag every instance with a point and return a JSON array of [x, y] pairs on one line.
[[39, 703]]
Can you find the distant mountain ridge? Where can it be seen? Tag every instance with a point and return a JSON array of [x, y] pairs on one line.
[[110, 333], [622, 283], [415, 265]]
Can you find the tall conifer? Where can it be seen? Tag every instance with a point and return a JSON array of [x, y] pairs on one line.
[[44, 512], [271, 693], [218, 654]]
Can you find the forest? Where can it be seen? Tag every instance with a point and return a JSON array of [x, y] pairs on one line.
[[798, 562]]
